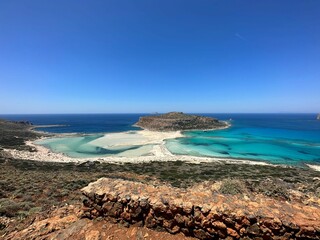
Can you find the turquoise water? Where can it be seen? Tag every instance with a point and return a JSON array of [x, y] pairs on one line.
[[80, 147], [291, 139], [279, 139]]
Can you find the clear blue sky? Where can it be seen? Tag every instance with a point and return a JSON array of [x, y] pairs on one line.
[[79, 56]]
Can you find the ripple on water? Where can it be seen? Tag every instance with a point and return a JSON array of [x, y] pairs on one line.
[[237, 144]]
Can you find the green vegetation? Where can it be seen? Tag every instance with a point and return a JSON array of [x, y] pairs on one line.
[[233, 187], [13, 135], [32, 188]]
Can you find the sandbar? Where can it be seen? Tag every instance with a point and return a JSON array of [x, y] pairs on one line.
[[152, 148]]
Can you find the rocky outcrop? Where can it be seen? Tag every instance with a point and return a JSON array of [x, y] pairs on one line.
[[175, 121], [199, 211], [64, 224], [318, 117]]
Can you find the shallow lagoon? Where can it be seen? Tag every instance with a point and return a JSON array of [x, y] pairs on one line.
[[84, 147], [280, 139], [277, 138]]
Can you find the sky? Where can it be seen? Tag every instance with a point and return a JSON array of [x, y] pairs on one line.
[[241, 56]]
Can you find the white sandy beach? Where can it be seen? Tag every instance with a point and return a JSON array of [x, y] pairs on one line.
[[158, 151], [152, 148], [134, 138], [314, 167]]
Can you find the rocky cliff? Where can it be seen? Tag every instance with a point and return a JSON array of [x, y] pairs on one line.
[[175, 121], [199, 212]]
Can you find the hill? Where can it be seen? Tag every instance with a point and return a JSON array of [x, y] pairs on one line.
[[175, 121]]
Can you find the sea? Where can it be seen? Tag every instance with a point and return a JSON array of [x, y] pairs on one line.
[[290, 139]]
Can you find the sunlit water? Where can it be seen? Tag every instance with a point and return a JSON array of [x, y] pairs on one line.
[[277, 138], [290, 139]]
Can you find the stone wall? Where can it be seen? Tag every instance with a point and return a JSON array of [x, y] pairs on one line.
[[199, 211]]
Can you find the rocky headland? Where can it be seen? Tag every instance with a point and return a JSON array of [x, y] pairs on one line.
[[176, 121], [13, 135]]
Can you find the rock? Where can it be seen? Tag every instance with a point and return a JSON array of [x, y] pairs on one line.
[[175, 121], [318, 117], [306, 232], [168, 224], [185, 231], [126, 216], [219, 225], [253, 230], [150, 222], [175, 229], [93, 235], [135, 212], [201, 234], [144, 203], [107, 206], [232, 233], [229, 222], [179, 219], [181, 211], [198, 215], [274, 224]]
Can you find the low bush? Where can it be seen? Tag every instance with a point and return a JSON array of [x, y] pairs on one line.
[[233, 187]]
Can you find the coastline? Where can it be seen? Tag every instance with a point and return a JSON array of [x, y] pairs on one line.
[[48, 126], [228, 181], [159, 151], [161, 154], [228, 124]]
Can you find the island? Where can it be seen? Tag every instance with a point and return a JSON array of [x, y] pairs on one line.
[[318, 117], [175, 121]]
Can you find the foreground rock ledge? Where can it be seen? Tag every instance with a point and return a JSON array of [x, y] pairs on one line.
[[176, 121], [199, 212]]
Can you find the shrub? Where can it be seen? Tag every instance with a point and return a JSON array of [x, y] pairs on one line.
[[8, 207], [35, 210], [233, 187]]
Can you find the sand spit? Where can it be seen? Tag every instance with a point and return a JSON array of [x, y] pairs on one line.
[[159, 152], [152, 141], [134, 138]]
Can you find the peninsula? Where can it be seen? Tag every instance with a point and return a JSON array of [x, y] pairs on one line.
[[176, 121]]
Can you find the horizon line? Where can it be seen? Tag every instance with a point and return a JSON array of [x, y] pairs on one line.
[[100, 113]]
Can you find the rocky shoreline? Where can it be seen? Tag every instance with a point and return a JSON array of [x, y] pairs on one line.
[[178, 121]]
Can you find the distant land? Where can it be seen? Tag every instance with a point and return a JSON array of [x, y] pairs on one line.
[[175, 121]]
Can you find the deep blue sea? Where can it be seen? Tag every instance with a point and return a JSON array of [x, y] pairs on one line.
[[291, 139], [80, 123]]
